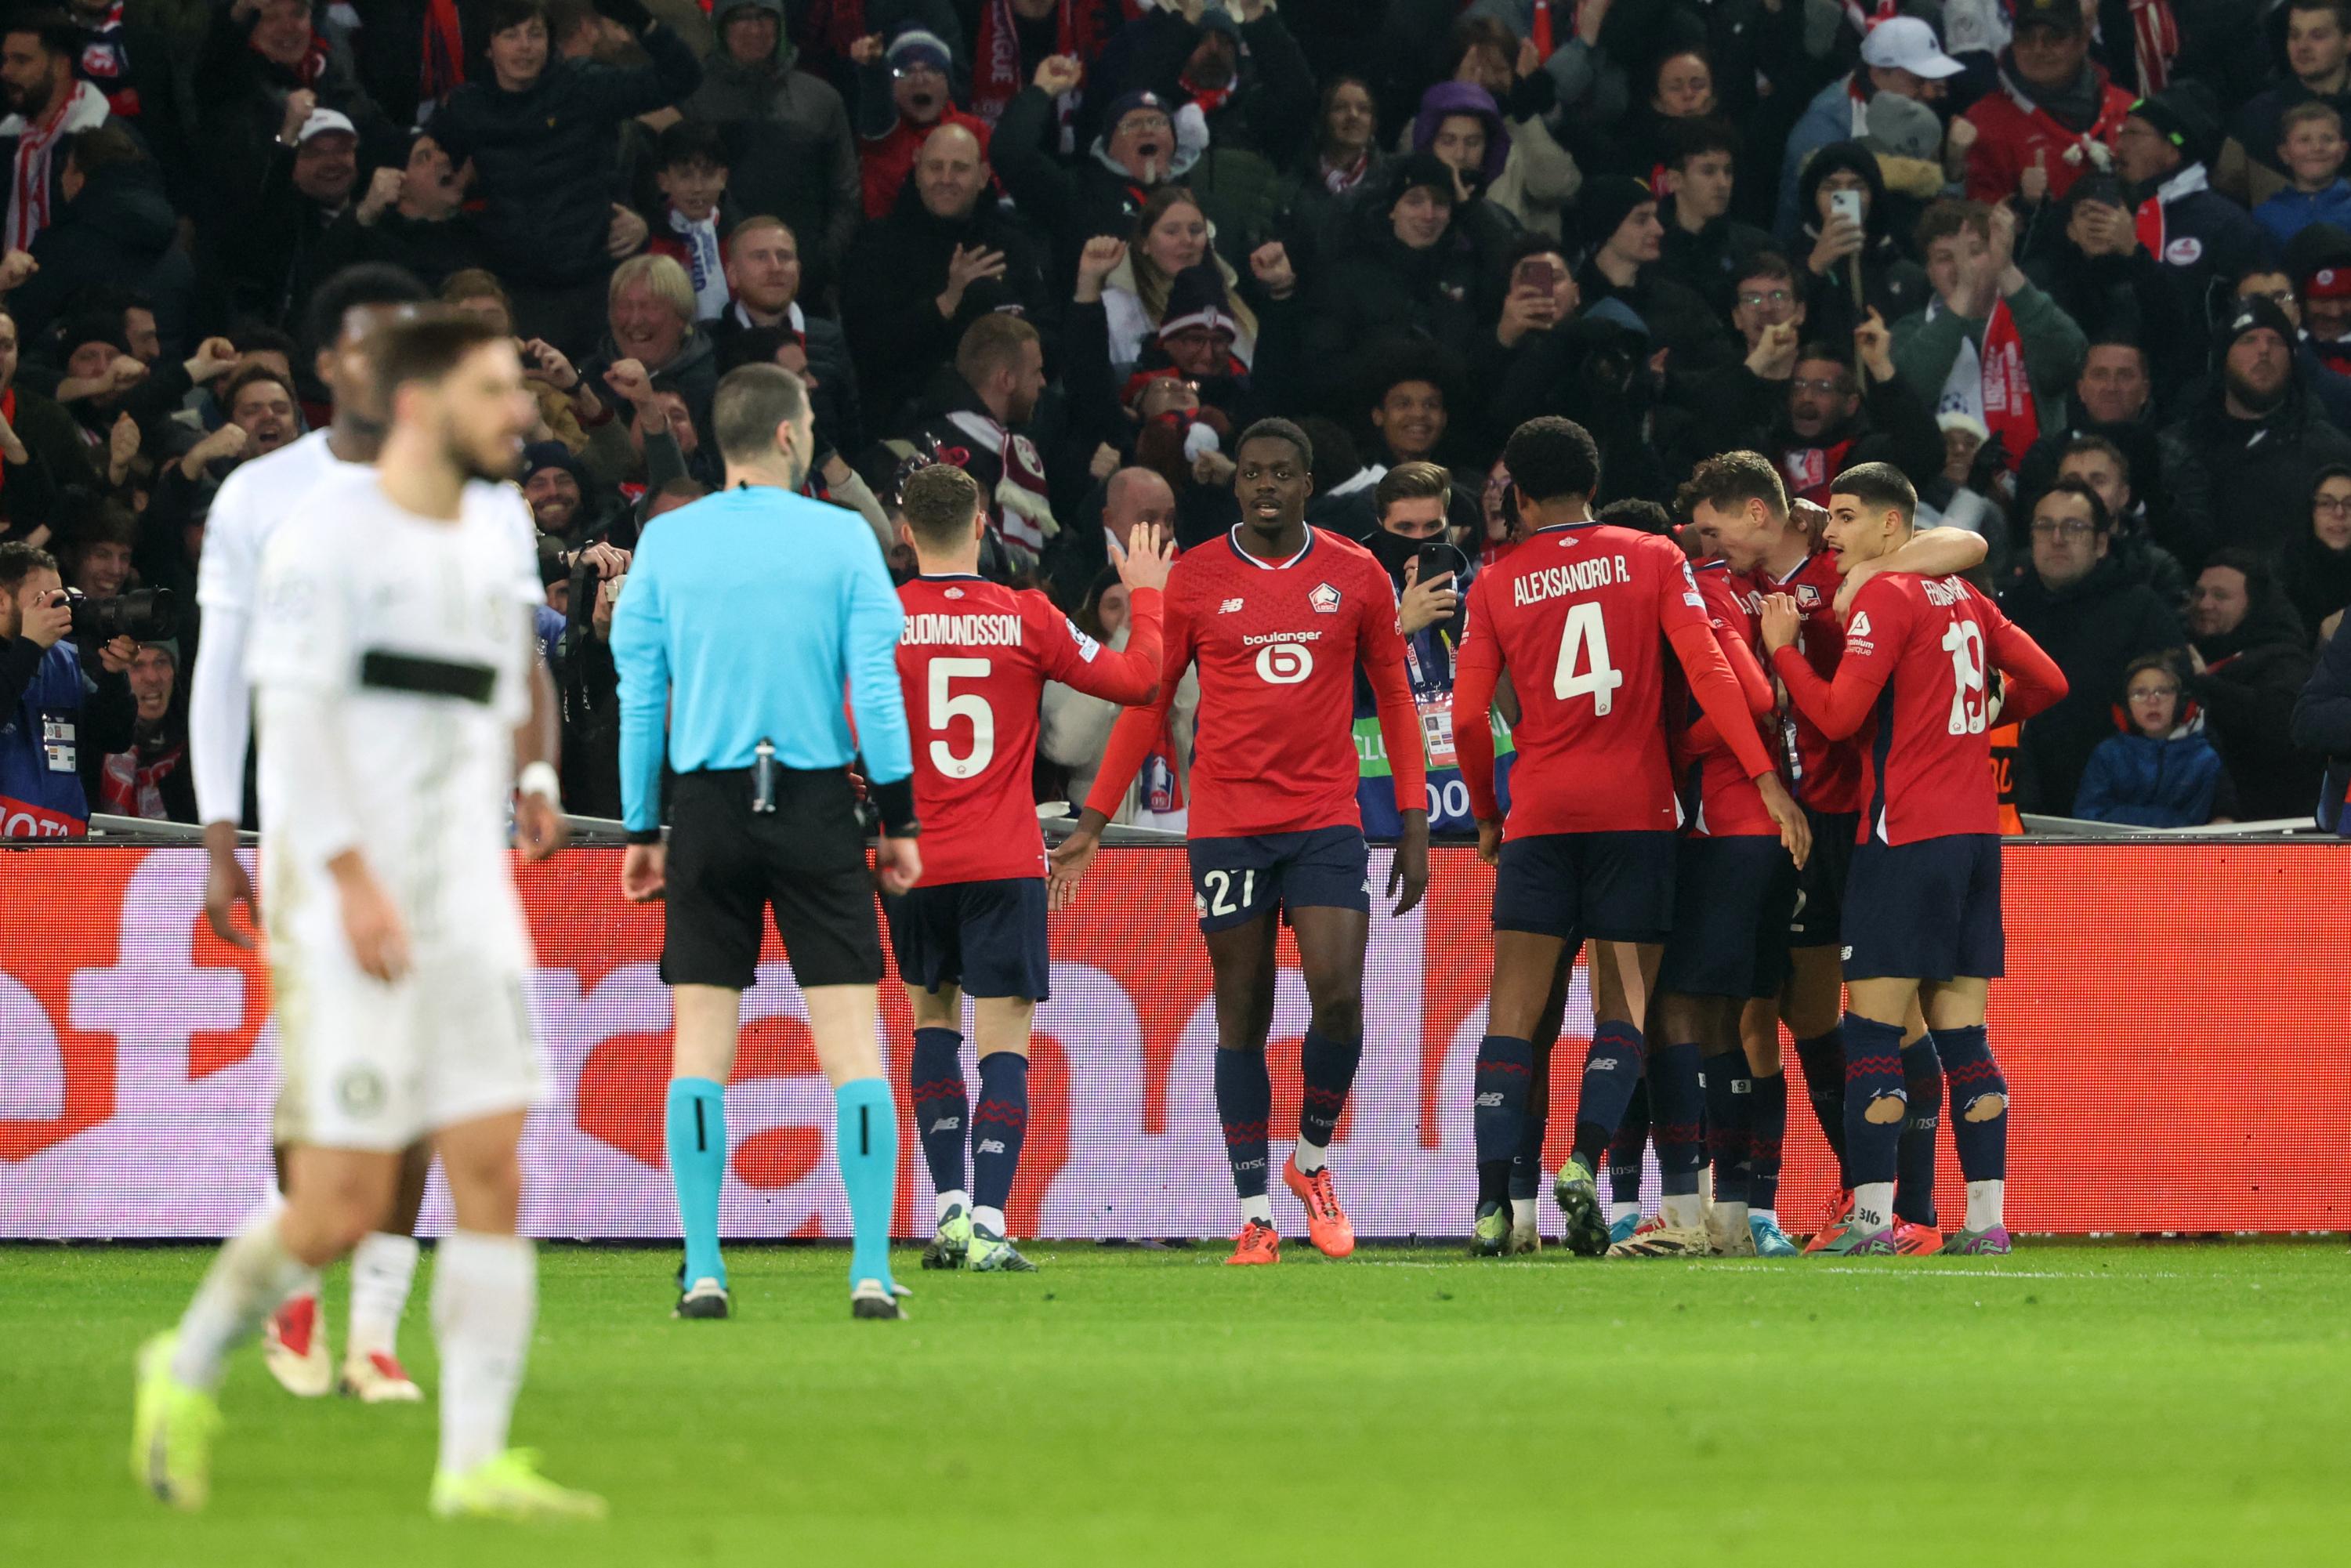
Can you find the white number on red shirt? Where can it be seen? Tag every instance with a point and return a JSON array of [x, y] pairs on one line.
[[1284, 664], [1964, 641], [1585, 639], [947, 706]]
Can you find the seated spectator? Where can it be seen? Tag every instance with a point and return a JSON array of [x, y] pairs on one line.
[[789, 144], [650, 318], [903, 95], [2108, 469], [1680, 84], [2311, 149], [944, 257], [1130, 498], [95, 546], [540, 132], [151, 778], [263, 416], [1892, 284], [2250, 658], [1973, 493], [976, 409], [1488, 122], [2251, 165], [413, 216], [1950, 355], [2321, 726], [1898, 56], [764, 274], [1408, 270], [112, 227], [2076, 604], [558, 388], [1621, 274], [264, 66], [2085, 253], [2051, 100], [2197, 233], [1704, 245], [2161, 771], [2317, 566], [45, 104], [1342, 156], [690, 168], [2317, 298], [2239, 471]]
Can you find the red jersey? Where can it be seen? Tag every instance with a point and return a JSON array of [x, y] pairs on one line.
[[1828, 772], [1579, 615], [1277, 643], [1914, 688], [1728, 804], [974, 657]]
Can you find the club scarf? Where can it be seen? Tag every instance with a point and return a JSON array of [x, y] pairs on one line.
[[2155, 43], [30, 193], [1025, 513], [1990, 384], [442, 68]]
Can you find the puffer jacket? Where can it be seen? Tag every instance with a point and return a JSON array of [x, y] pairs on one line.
[[2176, 781]]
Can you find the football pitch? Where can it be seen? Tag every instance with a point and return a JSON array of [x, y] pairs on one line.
[[2099, 1404]]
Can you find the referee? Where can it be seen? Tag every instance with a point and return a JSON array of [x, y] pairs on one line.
[[744, 616]]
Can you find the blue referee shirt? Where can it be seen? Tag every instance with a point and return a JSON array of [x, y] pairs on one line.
[[747, 614]]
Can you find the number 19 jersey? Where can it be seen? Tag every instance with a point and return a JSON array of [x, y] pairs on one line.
[[1579, 614]]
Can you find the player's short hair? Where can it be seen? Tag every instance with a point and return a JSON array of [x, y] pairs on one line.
[[1729, 480], [939, 502], [662, 278], [1947, 218], [990, 344], [1880, 486], [355, 288], [752, 401], [1411, 482], [475, 283], [2313, 112], [2083, 445], [426, 348], [2100, 519], [1280, 430], [1640, 514], [1551, 459], [19, 561]]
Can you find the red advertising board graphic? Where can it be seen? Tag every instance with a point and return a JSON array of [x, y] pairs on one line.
[[2171, 1029]]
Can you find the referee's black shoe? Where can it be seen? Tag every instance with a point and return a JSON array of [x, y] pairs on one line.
[[873, 1299], [706, 1298]]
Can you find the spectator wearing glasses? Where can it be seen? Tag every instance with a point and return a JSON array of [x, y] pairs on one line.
[[2249, 659], [2161, 771], [2317, 566], [903, 94], [2076, 602]]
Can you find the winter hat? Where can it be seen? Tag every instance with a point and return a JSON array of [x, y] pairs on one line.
[[916, 47], [2251, 316], [726, 8], [541, 455], [2060, 16], [2319, 247], [1955, 420], [1605, 204], [2186, 116], [1216, 19], [1126, 103], [1450, 98], [1197, 299], [1903, 127], [1420, 169]]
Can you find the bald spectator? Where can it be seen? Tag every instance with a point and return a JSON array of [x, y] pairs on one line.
[[945, 257], [905, 92], [1128, 498]]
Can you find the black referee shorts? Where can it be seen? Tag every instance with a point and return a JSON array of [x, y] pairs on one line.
[[729, 865]]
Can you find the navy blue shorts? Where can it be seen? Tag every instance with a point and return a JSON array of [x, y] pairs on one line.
[[1924, 911], [1731, 899], [1818, 920], [987, 938], [1234, 880], [1606, 887]]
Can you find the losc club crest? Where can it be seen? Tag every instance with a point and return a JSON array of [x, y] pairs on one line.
[[1325, 600], [1807, 596]]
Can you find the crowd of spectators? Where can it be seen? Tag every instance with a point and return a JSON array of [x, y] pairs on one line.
[[2080, 268]]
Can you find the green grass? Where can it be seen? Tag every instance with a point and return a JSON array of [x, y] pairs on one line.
[[2098, 1404]]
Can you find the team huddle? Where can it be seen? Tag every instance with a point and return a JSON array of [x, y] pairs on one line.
[[1755, 787]]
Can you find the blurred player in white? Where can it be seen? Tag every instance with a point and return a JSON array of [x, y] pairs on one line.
[[391, 653], [254, 500]]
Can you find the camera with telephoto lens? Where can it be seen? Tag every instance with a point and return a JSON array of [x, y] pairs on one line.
[[143, 615]]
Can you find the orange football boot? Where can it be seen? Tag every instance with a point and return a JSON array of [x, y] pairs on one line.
[[1912, 1239], [1326, 1223], [1257, 1243], [1834, 1219]]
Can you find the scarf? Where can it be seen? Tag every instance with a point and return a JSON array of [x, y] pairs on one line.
[[1339, 181], [442, 71], [1989, 384], [2073, 108], [1810, 468], [106, 60], [703, 264], [1862, 18], [2155, 43], [2148, 221], [1539, 30], [29, 194], [131, 783], [1026, 514], [836, 25], [995, 73], [7, 412]]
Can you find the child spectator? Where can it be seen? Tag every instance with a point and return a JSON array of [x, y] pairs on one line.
[[2311, 146], [691, 170], [2161, 772]]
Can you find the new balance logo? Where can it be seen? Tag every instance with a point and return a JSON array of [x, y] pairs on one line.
[[1493, 1099], [989, 1147], [1601, 1064], [1228, 606], [948, 1125], [1844, 954]]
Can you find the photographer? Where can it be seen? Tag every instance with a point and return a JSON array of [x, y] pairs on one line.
[[56, 722]]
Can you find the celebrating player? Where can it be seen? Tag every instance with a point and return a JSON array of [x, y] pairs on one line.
[[253, 501], [1575, 617], [1922, 918], [392, 650], [1278, 615], [974, 658], [1739, 507]]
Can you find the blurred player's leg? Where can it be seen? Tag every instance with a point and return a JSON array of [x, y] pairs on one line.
[[1729, 1138], [1677, 1106], [383, 1268], [294, 1340], [1759, 1035], [694, 1130], [942, 1105], [865, 1126], [998, 1128], [1242, 960], [1916, 1232], [1331, 946], [1526, 1164], [1811, 1007]]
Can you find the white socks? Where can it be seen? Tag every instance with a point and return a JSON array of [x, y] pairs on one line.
[[990, 1221], [382, 1268], [1683, 1210], [1872, 1207], [1620, 1212], [1260, 1208], [485, 1303], [252, 1273], [1987, 1202], [1307, 1157], [1525, 1212], [956, 1199]]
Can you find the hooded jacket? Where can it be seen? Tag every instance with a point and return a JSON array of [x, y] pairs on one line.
[[2230, 481], [791, 151], [2251, 680], [1891, 283], [2093, 629], [1377, 287], [546, 157], [1527, 174], [2321, 725], [2176, 781]]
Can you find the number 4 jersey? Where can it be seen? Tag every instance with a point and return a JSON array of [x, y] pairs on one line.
[[974, 657], [1914, 685]]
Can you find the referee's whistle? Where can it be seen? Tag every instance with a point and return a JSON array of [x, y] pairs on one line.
[[763, 777]]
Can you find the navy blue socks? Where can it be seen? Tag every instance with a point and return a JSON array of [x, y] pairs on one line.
[[1505, 1071], [942, 1112], [998, 1127]]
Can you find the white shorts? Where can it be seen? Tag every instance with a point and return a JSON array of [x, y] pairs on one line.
[[363, 1065]]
